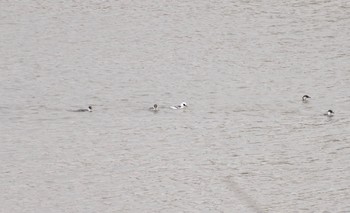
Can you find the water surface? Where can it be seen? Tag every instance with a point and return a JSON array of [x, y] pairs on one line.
[[246, 143]]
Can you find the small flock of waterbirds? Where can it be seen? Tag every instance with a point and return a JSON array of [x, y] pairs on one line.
[[329, 113], [183, 105]]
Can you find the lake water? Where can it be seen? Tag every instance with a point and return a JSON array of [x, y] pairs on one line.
[[246, 142]]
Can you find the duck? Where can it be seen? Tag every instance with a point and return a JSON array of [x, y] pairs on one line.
[[329, 113], [305, 98], [154, 108], [89, 109], [181, 106]]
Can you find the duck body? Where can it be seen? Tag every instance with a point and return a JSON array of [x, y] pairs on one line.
[[305, 98], [181, 106], [329, 113], [89, 109], [154, 108]]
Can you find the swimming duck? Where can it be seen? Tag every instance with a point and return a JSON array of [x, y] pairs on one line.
[[154, 108], [181, 106], [305, 98], [89, 109], [329, 113]]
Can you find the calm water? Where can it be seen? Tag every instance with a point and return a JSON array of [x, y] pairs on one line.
[[246, 143]]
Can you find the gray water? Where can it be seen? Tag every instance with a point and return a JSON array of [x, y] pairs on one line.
[[246, 143]]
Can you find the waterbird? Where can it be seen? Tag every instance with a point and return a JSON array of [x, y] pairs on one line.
[[181, 106], [305, 98], [154, 108], [329, 113], [89, 109]]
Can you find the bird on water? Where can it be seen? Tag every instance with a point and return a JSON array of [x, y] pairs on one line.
[[305, 98], [89, 109]]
